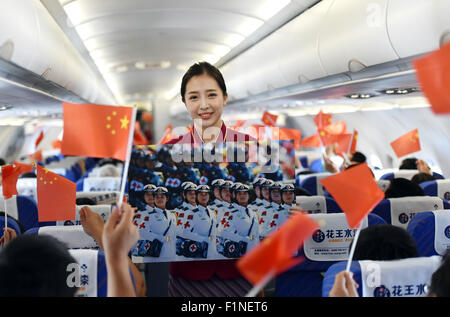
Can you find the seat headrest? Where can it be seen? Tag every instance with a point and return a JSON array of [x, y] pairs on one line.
[[404, 208], [103, 210], [84, 273], [95, 184], [431, 231], [398, 278], [100, 197], [73, 236]]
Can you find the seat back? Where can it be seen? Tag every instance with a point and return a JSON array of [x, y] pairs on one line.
[[399, 211], [439, 188], [89, 274], [431, 232], [327, 246], [318, 204], [383, 184], [95, 184], [100, 197], [312, 183], [73, 237], [22, 208], [399, 278], [12, 223], [103, 210]]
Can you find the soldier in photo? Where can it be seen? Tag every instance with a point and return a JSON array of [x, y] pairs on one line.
[[156, 229], [237, 229], [149, 199], [225, 194], [264, 212], [272, 212], [258, 202], [194, 226], [217, 202]]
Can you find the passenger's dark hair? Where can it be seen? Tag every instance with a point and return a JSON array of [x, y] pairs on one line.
[[440, 280], [28, 175], [358, 157], [2, 162], [383, 242], [422, 177], [35, 265], [199, 69], [85, 201], [301, 192], [408, 164], [402, 187]]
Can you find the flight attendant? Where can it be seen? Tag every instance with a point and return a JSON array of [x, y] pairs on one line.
[[204, 93]]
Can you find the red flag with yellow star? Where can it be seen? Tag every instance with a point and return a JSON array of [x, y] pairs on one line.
[[407, 143], [10, 175], [56, 196], [96, 130]]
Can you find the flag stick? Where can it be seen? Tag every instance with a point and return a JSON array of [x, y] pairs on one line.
[[127, 159], [352, 250], [6, 213], [258, 287]]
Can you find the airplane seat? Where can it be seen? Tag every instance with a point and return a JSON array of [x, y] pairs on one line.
[[12, 223], [328, 246], [408, 174], [304, 161], [399, 211], [73, 237], [318, 204], [100, 197], [312, 183], [398, 278], [431, 231], [28, 211], [439, 188], [316, 166], [91, 184], [383, 184]]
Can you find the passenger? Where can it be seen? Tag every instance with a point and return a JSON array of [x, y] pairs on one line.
[[85, 201], [401, 187], [94, 225], [204, 93], [35, 265], [384, 242], [414, 163], [422, 177], [353, 159], [440, 280]]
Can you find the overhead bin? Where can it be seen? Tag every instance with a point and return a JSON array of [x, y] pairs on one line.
[[354, 35], [425, 28], [299, 60], [34, 41]]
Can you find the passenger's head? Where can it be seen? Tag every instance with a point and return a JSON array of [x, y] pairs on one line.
[[384, 242], [204, 93], [402, 187], [408, 164], [440, 280], [35, 265], [85, 201], [422, 177], [357, 157]]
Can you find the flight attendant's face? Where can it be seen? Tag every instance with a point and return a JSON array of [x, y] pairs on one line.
[[205, 101]]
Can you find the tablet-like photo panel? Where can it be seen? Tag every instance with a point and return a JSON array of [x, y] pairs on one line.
[[209, 202]]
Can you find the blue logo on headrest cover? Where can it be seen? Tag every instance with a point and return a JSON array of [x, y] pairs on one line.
[[447, 232], [318, 236], [403, 218], [381, 291]]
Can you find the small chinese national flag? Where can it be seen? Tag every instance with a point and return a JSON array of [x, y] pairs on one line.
[[276, 252], [311, 141], [10, 175], [269, 119], [354, 141], [56, 196], [167, 135], [433, 73], [322, 119], [96, 130], [39, 139], [288, 134], [355, 191], [407, 143]]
